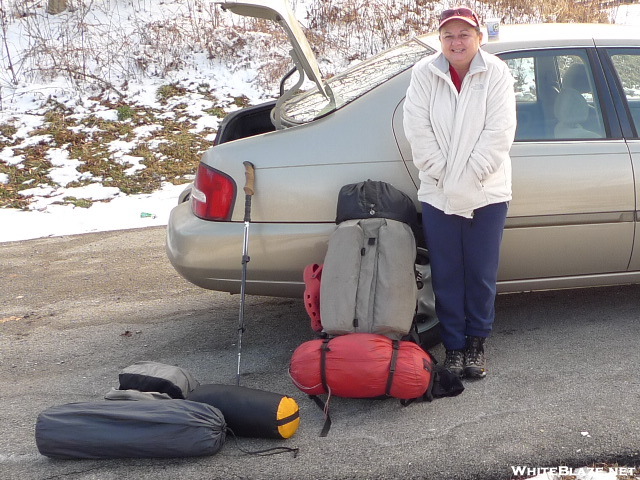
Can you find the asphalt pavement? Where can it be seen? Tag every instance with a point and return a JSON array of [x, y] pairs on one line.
[[562, 389]]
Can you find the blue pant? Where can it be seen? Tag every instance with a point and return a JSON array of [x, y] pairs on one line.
[[464, 255]]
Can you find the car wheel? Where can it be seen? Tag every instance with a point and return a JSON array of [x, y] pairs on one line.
[[427, 325]]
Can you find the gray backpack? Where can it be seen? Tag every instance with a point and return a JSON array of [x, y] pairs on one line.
[[369, 279]]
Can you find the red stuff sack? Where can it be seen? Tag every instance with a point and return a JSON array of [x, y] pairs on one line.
[[362, 365]]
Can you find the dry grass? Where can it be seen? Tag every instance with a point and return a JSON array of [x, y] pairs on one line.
[[170, 153]]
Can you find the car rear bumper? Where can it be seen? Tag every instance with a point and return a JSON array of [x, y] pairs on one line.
[[209, 254]]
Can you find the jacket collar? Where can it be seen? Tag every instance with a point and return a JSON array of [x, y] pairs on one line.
[[440, 64]]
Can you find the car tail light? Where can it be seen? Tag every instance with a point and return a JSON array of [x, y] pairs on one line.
[[213, 194]]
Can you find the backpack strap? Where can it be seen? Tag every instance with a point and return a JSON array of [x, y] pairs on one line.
[[430, 366], [324, 406], [323, 362], [392, 366]]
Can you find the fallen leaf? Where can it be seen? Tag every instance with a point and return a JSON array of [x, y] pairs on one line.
[[8, 319]]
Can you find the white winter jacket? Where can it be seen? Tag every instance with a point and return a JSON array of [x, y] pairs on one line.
[[460, 141]]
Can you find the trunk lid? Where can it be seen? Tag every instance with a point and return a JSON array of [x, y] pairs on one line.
[[279, 11]]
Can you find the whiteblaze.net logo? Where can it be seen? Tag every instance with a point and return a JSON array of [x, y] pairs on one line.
[[528, 471]]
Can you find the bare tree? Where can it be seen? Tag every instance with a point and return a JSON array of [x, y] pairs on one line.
[[5, 42]]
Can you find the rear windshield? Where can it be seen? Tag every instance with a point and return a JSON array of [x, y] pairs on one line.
[[355, 82]]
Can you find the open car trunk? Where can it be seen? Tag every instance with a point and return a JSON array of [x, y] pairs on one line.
[[303, 58], [246, 123]]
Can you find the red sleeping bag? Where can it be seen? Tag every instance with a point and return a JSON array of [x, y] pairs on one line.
[[362, 365]]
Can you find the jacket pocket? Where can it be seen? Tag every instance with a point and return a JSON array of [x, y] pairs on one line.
[[427, 179], [466, 193]]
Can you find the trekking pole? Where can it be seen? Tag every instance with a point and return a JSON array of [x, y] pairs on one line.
[[249, 174]]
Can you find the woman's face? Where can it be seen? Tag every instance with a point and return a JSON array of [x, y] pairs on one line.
[[460, 43]]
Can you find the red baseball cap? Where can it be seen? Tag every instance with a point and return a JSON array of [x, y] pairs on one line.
[[460, 13]]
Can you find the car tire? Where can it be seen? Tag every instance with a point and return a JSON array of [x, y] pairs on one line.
[[426, 324], [427, 330]]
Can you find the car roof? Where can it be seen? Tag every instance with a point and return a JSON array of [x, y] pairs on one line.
[[544, 35]]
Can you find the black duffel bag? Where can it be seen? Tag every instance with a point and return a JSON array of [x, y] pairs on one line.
[[375, 199]]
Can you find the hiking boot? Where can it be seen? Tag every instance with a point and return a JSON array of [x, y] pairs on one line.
[[454, 362], [475, 365]]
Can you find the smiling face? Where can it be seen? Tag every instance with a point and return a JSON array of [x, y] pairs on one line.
[[460, 43]]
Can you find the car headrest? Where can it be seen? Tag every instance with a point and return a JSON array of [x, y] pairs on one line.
[[576, 77], [571, 107]]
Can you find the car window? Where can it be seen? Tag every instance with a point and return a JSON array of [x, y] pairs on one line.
[[356, 81], [627, 65], [556, 97]]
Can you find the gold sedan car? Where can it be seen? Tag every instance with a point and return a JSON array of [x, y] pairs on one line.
[[574, 218]]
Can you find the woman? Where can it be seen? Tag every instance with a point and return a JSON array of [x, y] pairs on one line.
[[460, 119]]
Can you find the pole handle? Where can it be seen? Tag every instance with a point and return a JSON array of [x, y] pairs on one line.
[[250, 177], [247, 208]]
